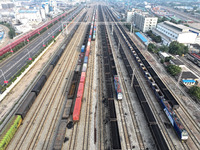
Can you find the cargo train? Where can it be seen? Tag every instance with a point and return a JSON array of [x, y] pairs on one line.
[[83, 63]]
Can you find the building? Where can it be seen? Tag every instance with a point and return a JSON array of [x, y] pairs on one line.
[[163, 55], [188, 78], [144, 21], [176, 32], [130, 15], [30, 15]]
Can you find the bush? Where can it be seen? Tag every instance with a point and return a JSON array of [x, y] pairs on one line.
[[195, 91], [155, 38], [152, 48]]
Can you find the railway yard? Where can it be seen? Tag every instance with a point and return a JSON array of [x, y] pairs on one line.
[[97, 90]]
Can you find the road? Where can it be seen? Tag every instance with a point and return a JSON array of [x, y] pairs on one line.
[[12, 66]]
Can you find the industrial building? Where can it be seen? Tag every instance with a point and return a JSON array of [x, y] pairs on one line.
[[144, 21], [176, 32]]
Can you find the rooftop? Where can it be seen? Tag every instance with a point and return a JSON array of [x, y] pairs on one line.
[[188, 75], [177, 62], [178, 28], [28, 11]]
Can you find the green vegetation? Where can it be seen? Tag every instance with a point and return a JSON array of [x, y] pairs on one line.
[[162, 19], [155, 38], [11, 33], [195, 91], [167, 59], [164, 48], [153, 48], [173, 70], [177, 48]]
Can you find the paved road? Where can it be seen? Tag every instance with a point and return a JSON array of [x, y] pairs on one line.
[[10, 68]]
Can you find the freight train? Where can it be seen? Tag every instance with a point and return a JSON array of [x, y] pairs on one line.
[[32, 33], [83, 63], [163, 95], [195, 58], [109, 72], [11, 128]]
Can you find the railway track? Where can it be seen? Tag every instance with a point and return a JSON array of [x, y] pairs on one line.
[[169, 140], [81, 132], [153, 107], [163, 128], [191, 121], [45, 112], [123, 110], [100, 108]]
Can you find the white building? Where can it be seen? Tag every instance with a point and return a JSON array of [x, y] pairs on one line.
[[130, 16], [176, 32], [144, 21], [163, 55], [30, 15], [42, 12]]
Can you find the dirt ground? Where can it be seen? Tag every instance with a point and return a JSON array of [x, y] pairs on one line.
[[6, 38], [19, 89]]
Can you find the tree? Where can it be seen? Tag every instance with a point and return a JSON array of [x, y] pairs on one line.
[[177, 48], [195, 91], [173, 70], [164, 48], [167, 59], [151, 47], [158, 39]]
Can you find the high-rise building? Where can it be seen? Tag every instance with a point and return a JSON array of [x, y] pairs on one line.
[[144, 21]]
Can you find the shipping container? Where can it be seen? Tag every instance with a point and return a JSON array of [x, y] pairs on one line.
[[83, 49], [77, 109], [82, 80], [84, 69], [86, 59], [83, 74], [80, 90]]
